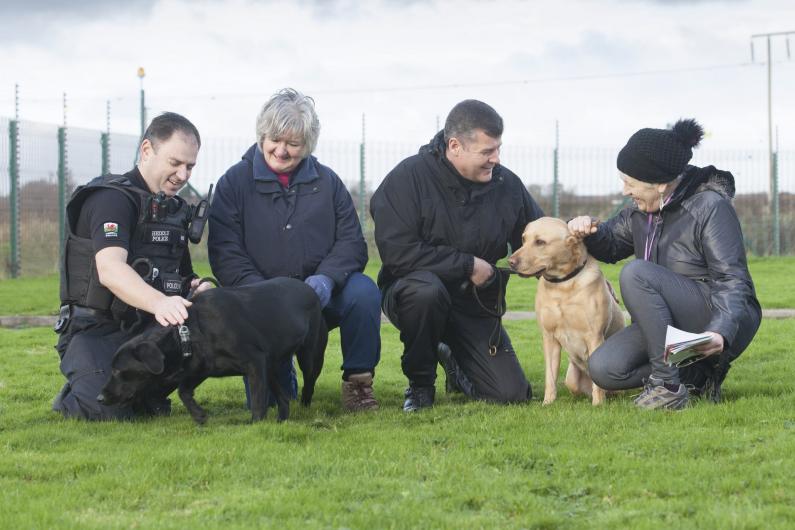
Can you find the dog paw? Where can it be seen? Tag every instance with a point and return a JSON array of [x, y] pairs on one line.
[[548, 402], [200, 419]]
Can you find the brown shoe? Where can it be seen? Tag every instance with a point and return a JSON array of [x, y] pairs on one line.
[[357, 393]]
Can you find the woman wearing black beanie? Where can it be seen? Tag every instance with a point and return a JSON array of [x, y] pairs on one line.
[[690, 270]]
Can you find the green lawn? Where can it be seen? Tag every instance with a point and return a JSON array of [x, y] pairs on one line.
[[39, 295], [459, 465]]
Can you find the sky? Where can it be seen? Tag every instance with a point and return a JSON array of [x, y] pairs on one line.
[[601, 68]]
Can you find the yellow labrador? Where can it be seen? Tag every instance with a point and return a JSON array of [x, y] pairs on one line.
[[576, 307]]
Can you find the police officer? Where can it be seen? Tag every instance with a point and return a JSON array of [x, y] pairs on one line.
[[125, 262]]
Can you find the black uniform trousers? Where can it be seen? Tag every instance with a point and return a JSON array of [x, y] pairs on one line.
[[86, 346], [421, 307]]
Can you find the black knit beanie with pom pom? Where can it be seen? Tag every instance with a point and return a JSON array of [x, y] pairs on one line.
[[660, 155]]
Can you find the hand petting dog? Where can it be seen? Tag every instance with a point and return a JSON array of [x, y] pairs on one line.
[[583, 226]]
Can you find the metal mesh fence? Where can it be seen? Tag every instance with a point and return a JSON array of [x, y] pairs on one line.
[[587, 183], [38, 197], [5, 201], [123, 148]]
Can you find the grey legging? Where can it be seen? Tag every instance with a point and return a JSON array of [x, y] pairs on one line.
[[655, 297]]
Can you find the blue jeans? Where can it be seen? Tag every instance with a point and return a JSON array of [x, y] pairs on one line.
[[356, 310]]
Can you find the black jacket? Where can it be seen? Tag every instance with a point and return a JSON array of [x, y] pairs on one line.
[[427, 219], [698, 235], [259, 230]]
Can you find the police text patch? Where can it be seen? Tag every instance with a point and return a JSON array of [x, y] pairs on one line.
[[161, 236]]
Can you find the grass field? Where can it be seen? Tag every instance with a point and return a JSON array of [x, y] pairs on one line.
[[39, 295], [459, 465]]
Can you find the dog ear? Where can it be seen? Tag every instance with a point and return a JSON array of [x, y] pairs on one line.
[[571, 241], [576, 246], [151, 357]]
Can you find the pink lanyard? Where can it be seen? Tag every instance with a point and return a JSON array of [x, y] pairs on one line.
[[651, 231]]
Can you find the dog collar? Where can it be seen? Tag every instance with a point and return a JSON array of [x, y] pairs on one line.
[[569, 276]]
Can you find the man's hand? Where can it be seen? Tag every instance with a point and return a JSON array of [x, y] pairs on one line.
[[481, 272], [171, 310], [713, 346], [583, 226], [115, 274]]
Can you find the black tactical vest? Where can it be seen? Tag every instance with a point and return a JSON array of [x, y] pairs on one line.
[[157, 246]]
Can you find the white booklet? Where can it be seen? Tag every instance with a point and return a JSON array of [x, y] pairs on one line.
[[679, 346]]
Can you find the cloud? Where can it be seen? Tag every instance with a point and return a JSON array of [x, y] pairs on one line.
[[34, 23], [71, 10], [678, 3]]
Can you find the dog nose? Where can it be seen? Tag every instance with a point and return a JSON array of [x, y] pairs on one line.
[[101, 398], [512, 262]]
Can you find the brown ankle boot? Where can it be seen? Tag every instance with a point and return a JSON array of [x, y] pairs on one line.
[[357, 392]]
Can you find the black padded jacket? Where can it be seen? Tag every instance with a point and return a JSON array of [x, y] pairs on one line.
[[697, 235], [427, 219]]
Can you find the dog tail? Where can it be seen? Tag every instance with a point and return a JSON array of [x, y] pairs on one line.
[[311, 355], [612, 291]]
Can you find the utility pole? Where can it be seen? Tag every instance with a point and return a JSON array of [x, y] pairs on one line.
[[141, 75], [773, 198]]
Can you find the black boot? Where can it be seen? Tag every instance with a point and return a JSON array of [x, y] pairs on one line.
[[455, 381], [418, 397], [714, 382]]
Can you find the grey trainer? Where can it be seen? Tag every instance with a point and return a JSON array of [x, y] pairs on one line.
[[656, 396]]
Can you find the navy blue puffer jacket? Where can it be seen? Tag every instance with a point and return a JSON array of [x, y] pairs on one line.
[[260, 230]]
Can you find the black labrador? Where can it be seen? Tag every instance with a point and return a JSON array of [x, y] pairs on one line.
[[248, 330]]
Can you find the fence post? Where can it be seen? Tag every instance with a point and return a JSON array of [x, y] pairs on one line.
[[61, 189], [775, 206], [13, 177], [104, 142], [555, 154], [362, 213]]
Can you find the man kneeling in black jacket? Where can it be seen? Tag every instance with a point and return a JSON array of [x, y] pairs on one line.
[[442, 217]]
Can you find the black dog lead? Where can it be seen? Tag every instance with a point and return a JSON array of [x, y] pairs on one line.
[[495, 338], [206, 279]]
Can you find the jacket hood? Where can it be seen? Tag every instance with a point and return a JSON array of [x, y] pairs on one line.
[[697, 179], [436, 146], [249, 154]]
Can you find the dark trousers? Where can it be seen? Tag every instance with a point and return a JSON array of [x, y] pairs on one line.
[[655, 297], [356, 310], [421, 307], [86, 347]]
